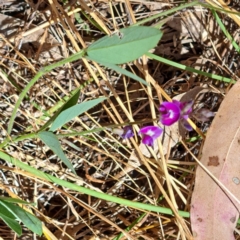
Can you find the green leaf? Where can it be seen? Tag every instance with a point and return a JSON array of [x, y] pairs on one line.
[[124, 72], [6, 209], [13, 224], [15, 200], [29, 220], [7, 212], [71, 102], [52, 142], [73, 112], [128, 45]]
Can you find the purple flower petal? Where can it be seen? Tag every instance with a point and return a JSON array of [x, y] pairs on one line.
[[170, 112], [186, 125], [150, 133], [127, 132], [147, 140]]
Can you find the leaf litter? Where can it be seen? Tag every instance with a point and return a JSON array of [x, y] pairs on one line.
[[102, 156]]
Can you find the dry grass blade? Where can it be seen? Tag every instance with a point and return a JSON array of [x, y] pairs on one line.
[[162, 176]]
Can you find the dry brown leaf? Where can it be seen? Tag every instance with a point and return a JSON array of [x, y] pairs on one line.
[[213, 213]]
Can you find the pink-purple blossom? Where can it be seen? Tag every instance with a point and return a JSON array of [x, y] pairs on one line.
[[171, 112], [149, 134], [125, 133]]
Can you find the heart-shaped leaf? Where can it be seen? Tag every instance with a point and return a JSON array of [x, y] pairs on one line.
[[125, 46]]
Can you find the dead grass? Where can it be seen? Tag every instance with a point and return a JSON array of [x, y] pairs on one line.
[[37, 34]]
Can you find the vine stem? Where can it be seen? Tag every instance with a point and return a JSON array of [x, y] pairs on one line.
[[42, 72]]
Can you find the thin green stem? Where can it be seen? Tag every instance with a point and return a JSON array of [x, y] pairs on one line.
[[73, 133], [104, 196], [17, 139], [179, 8], [131, 226], [190, 69], [43, 71], [219, 9]]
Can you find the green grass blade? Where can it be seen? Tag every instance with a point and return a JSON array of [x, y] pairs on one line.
[[5, 210], [227, 34], [29, 220], [92, 21], [70, 102], [165, 13], [48, 113], [15, 200], [11, 212], [124, 72], [183, 67], [87, 191], [131, 226], [223, 10]]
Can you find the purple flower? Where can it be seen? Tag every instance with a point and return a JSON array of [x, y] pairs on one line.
[[186, 108], [149, 134], [170, 112], [126, 132]]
